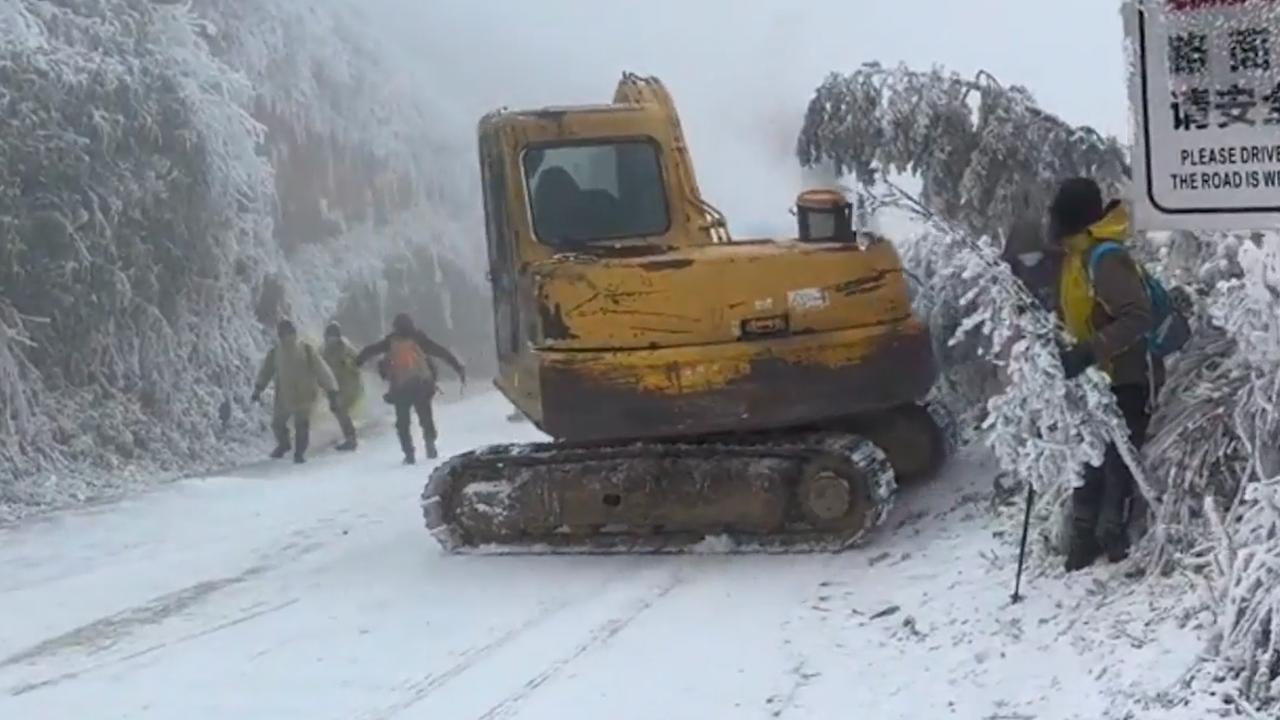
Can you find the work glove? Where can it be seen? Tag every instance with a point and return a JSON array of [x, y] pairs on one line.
[[1075, 360]]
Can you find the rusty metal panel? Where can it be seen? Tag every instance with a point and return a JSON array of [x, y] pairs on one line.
[[705, 295], [677, 392]]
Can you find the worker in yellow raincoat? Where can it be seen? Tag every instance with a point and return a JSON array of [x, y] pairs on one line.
[[299, 373], [341, 358]]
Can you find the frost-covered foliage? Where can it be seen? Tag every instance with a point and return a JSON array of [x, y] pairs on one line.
[[1042, 428], [986, 154], [356, 132], [988, 160], [131, 203], [987, 157], [1216, 455], [166, 193]]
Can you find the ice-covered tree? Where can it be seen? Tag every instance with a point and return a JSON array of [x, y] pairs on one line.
[[985, 154], [173, 176]]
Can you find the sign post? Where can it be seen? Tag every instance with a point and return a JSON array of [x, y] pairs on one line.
[[1205, 93]]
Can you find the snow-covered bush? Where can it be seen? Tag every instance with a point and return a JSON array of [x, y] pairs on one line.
[[988, 159], [172, 178], [1216, 452]]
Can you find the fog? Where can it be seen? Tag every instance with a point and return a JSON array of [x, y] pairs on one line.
[[742, 72]]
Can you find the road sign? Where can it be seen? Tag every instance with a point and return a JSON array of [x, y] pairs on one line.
[[1205, 94]]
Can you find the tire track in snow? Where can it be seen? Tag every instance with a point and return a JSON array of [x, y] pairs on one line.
[[102, 634], [24, 688], [599, 636], [422, 689]]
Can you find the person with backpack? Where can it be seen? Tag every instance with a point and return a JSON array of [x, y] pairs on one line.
[[1031, 262], [412, 377], [297, 371], [1104, 299], [341, 358]]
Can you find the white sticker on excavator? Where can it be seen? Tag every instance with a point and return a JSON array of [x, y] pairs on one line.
[[765, 304], [807, 299]]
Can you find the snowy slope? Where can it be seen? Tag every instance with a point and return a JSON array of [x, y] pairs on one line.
[[314, 592]]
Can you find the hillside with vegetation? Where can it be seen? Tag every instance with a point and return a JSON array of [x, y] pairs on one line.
[[174, 177]]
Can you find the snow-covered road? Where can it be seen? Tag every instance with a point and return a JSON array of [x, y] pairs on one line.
[[286, 593]]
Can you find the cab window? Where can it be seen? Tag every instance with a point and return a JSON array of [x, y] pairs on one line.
[[585, 193]]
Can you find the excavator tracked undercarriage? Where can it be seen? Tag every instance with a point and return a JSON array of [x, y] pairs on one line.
[[805, 493], [702, 393]]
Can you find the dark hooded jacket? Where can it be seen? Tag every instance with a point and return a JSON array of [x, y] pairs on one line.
[[410, 353]]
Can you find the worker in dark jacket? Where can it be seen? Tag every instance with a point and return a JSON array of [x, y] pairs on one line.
[[1109, 315], [412, 377]]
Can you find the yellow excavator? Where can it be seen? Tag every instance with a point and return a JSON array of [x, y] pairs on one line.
[[756, 395]]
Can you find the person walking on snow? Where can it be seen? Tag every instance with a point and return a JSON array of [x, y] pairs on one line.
[[341, 359], [297, 370], [412, 377], [1109, 315]]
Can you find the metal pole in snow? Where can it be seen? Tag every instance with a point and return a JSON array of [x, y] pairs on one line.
[[1022, 546]]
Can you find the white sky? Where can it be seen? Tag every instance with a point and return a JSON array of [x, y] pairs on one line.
[[742, 72]]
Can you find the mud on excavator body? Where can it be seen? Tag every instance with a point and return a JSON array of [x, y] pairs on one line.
[[626, 316]]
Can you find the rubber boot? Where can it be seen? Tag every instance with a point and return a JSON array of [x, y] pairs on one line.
[[1083, 550], [1115, 545], [402, 432], [281, 430], [431, 449], [282, 442], [1113, 524], [348, 443], [304, 439]]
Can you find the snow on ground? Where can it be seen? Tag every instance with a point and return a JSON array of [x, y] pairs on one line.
[[279, 592]]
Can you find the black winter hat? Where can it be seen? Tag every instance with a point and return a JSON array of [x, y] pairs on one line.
[[402, 323], [1076, 206], [286, 327], [333, 330]]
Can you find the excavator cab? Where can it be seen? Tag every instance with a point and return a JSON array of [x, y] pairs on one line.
[[691, 383], [561, 185], [591, 193], [624, 309]]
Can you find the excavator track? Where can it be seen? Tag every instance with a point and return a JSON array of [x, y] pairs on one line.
[[810, 493]]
